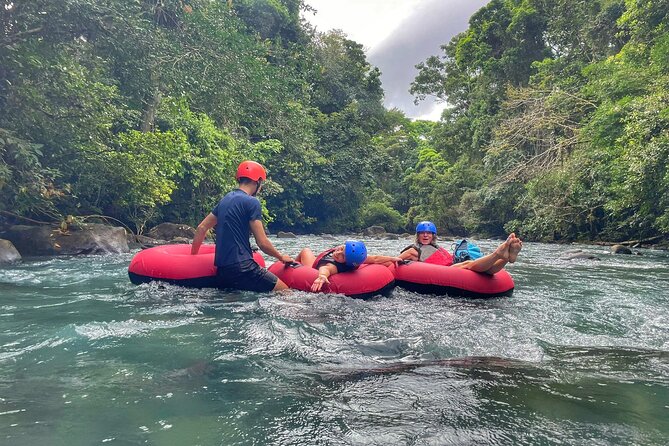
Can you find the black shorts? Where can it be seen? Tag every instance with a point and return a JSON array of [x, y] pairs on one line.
[[247, 275]]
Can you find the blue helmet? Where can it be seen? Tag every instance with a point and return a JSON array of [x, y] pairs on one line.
[[426, 226], [355, 252]]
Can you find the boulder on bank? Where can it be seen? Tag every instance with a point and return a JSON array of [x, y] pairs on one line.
[[8, 253], [282, 234], [374, 231], [49, 241], [143, 242], [170, 231]]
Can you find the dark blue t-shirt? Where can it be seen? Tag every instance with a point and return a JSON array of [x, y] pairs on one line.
[[234, 213]]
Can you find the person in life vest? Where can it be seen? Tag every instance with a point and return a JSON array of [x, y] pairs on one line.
[[235, 216], [340, 259], [425, 249]]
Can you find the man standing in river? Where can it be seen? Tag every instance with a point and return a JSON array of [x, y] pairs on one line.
[[237, 214]]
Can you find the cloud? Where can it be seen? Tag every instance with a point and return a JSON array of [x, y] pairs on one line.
[[420, 35], [368, 22]]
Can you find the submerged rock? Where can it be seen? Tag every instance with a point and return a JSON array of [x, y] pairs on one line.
[[282, 234], [579, 255], [389, 236], [620, 249], [473, 363]]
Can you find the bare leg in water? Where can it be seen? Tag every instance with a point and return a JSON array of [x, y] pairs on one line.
[[495, 262]]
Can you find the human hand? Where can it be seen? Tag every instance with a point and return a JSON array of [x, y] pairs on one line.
[[286, 259], [319, 282], [392, 261]]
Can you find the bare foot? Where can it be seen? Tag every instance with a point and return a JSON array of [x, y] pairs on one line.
[[503, 250], [514, 248]]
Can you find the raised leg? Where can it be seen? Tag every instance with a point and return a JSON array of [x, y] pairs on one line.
[[514, 248], [306, 257], [491, 263]]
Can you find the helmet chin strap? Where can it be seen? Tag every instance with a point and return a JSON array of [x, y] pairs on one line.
[[258, 184]]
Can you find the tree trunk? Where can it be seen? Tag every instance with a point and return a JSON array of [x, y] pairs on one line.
[[151, 105]]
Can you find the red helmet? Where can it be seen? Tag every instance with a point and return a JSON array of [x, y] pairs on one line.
[[252, 170]]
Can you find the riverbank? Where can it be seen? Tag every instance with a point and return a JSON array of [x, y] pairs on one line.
[[19, 241]]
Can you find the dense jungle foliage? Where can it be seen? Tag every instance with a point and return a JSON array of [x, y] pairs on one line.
[[140, 110]]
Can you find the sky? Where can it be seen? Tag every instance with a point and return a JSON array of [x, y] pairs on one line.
[[397, 35]]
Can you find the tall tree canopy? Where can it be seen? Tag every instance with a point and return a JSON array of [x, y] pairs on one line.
[[557, 123]]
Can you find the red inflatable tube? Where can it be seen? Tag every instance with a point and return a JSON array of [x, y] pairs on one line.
[[174, 264], [427, 278], [365, 282]]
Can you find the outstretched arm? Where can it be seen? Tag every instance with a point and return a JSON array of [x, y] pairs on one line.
[[264, 244], [324, 272], [201, 232], [383, 260]]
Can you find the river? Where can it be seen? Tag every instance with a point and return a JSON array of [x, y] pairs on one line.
[[578, 355]]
